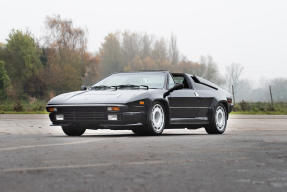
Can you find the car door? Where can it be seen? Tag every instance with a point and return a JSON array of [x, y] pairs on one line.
[[183, 103], [205, 98]]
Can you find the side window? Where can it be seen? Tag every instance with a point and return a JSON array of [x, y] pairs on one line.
[[170, 81], [181, 80], [199, 86], [178, 79]]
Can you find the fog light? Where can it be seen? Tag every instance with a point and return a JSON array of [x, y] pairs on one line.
[[59, 117], [112, 117]]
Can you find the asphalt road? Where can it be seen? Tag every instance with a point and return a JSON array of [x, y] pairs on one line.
[[250, 156]]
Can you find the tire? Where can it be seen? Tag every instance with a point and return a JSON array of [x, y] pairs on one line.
[[73, 130], [218, 120], [156, 119]]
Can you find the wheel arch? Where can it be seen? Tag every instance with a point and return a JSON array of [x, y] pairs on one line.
[[224, 103], [166, 109], [210, 128]]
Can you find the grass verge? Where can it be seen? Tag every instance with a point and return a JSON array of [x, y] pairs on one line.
[[258, 113], [246, 108], [24, 112]]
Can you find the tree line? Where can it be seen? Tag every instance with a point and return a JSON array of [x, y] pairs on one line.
[[61, 63], [32, 70], [133, 51], [245, 91]]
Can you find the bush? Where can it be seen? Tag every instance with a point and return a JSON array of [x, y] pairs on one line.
[[18, 107], [236, 107], [22, 106], [244, 106], [4, 81], [261, 107], [38, 106]]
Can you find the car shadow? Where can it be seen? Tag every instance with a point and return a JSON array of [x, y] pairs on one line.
[[133, 135]]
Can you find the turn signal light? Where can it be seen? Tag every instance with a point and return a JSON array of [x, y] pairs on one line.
[[113, 108], [51, 109], [141, 102]]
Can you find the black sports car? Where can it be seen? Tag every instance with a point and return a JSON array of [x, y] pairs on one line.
[[145, 102]]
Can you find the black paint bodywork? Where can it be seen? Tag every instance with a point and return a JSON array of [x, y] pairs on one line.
[[190, 107]]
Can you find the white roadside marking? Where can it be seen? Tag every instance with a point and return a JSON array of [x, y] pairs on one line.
[[79, 166], [150, 162], [48, 145]]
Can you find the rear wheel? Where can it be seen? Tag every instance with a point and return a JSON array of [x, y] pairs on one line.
[[218, 121], [156, 119], [73, 130]]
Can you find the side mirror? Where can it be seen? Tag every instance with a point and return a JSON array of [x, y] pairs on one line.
[[175, 87], [83, 88]]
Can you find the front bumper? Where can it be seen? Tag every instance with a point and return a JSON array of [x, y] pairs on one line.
[[96, 117]]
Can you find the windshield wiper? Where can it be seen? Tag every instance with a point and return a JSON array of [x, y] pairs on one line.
[[132, 86], [103, 87]]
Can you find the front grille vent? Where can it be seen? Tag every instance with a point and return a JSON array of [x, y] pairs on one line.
[[83, 113]]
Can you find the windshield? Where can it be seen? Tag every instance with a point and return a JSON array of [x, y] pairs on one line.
[[152, 80]]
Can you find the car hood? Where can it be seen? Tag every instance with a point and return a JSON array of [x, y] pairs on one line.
[[99, 97]]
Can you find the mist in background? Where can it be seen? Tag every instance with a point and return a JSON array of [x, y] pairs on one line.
[[239, 44]]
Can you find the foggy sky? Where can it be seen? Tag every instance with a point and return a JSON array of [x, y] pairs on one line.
[[250, 32]]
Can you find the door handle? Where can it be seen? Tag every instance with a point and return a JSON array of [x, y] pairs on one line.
[[196, 94]]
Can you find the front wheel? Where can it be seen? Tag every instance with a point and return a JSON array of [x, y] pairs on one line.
[[73, 130], [156, 119], [218, 121]]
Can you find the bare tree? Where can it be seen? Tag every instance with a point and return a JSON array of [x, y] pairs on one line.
[[232, 74], [62, 35], [130, 45], [159, 52], [208, 69], [146, 45], [173, 50], [67, 56], [112, 59]]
